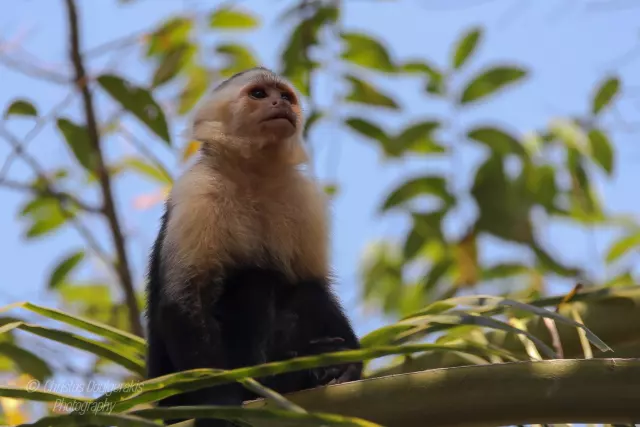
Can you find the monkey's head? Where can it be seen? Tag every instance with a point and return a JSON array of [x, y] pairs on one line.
[[254, 113]]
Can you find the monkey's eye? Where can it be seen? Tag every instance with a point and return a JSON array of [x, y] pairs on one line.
[[287, 96], [258, 93]]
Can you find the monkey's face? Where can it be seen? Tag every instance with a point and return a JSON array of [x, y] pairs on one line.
[[269, 112]]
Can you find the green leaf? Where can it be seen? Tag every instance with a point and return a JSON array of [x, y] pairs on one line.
[[426, 185], [198, 80], [173, 33], [417, 138], [436, 84], [503, 270], [465, 47], [297, 65], [623, 246], [601, 150], [64, 268], [313, 118], [26, 361], [437, 272], [481, 300], [498, 141], [491, 81], [173, 62], [239, 58], [605, 94], [364, 93], [367, 52], [139, 102], [21, 107], [226, 18], [77, 138], [368, 129], [40, 396], [412, 244], [153, 172], [46, 215], [94, 419], [118, 356], [134, 342], [158, 388], [275, 416]]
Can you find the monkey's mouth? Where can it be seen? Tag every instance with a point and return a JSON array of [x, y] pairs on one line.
[[277, 115]]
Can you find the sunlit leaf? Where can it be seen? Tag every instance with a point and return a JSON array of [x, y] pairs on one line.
[[151, 390], [20, 107], [491, 81], [173, 62], [364, 93], [150, 171], [426, 185], [481, 300], [77, 138], [139, 102], [367, 52], [227, 18], [173, 33], [465, 47], [197, 83], [239, 58], [601, 150], [26, 361], [64, 268], [46, 215], [497, 140], [605, 93], [84, 293], [190, 149], [103, 330], [127, 360], [466, 256], [622, 246]]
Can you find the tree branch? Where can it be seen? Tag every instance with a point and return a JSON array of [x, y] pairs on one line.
[[40, 173], [122, 261], [539, 392], [48, 191]]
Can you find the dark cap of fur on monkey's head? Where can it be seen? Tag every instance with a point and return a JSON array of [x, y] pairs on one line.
[[253, 113]]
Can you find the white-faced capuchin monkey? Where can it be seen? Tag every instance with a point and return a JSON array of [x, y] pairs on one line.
[[239, 272]]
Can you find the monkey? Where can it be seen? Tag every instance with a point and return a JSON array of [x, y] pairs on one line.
[[238, 274]]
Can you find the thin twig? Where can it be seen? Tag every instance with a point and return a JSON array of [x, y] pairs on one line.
[[122, 261], [33, 70], [40, 123], [48, 191], [144, 150], [39, 171]]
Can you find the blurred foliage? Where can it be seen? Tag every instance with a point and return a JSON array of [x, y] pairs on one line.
[[522, 183]]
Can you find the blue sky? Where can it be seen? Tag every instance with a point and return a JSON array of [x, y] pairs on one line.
[[567, 45]]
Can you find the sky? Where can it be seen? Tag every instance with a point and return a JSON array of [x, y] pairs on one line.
[[567, 45]]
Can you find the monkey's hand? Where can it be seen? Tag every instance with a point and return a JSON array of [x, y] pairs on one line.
[[336, 374]]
